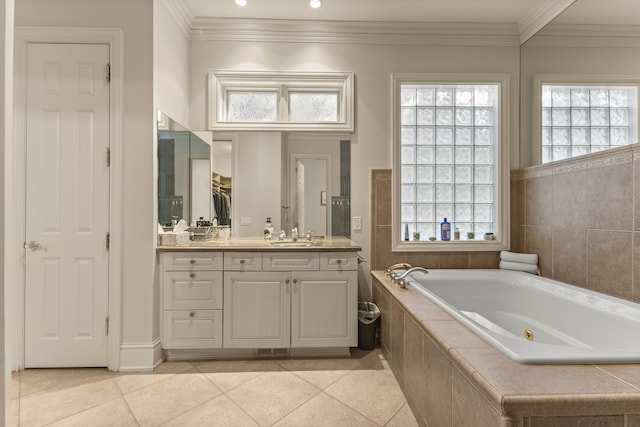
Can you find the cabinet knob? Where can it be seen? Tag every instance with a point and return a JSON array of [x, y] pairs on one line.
[[295, 281], [192, 261], [241, 261], [192, 275], [286, 281], [192, 314], [339, 262]]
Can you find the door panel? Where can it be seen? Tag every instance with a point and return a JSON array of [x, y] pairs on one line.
[[67, 205], [256, 310]]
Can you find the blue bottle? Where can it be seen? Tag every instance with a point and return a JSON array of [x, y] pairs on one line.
[[445, 230]]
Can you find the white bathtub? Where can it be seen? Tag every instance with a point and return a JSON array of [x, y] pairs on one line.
[[565, 324]]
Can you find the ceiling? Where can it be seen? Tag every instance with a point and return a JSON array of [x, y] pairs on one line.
[[472, 11], [525, 17]]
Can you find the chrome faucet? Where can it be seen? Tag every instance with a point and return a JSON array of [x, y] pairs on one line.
[[398, 279], [309, 235], [401, 266], [282, 235], [294, 234]]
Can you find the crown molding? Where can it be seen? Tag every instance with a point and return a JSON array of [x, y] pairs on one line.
[[181, 12], [353, 32], [541, 16], [580, 35]]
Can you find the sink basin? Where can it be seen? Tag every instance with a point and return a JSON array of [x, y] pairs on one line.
[[298, 244]]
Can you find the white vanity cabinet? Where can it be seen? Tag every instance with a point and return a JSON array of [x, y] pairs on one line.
[[300, 299], [258, 300], [191, 292]]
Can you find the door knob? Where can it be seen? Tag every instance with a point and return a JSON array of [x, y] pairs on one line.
[[33, 245]]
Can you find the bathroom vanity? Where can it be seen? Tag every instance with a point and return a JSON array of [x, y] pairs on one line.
[[244, 298]]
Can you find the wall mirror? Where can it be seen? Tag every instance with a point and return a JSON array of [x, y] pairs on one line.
[[184, 174], [242, 178], [297, 179], [591, 40]]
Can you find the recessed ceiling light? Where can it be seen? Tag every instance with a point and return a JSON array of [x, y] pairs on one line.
[[241, 2], [315, 3]]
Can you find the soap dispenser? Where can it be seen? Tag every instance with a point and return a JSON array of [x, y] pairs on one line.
[[268, 229]]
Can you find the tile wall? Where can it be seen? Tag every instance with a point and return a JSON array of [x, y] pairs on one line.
[[582, 217], [381, 255]]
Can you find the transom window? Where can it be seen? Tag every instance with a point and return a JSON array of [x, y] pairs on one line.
[[281, 101], [583, 119], [449, 160]]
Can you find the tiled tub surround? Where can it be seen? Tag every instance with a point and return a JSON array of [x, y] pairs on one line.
[[381, 255], [582, 217], [451, 377]]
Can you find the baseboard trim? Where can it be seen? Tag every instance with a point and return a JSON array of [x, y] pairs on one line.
[[254, 353], [140, 356]]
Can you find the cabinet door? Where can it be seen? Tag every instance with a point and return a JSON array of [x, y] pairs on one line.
[[257, 310], [324, 309]]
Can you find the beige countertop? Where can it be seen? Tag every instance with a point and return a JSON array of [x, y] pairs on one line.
[[327, 244]]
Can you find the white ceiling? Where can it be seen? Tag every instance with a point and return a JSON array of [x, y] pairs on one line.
[[458, 11], [526, 17], [484, 11], [602, 12]]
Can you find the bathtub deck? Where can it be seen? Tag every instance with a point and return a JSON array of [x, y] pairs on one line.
[[452, 377]]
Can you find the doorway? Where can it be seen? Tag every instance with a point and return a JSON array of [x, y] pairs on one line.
[[67, 193]]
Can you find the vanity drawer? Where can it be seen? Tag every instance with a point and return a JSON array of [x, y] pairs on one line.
[[192, 329], [191, 261], [290, 261], [243, 261], [193, 290], [338, 261]]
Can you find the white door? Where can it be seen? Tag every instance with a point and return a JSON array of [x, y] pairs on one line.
[[67, 205]]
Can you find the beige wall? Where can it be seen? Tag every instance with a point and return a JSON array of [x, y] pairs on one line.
[[582, 217], [372, 64]]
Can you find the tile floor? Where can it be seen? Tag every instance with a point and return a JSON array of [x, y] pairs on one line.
[[360, 391]]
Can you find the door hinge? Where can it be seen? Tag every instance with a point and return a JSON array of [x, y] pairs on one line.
[[108, 242], [108, 73], [108, 156], [106, 326]]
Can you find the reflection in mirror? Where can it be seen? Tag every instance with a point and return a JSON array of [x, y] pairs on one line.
[[297, 180], [592, 42], [184, 174]]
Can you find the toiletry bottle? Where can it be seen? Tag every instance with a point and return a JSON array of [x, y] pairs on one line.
[[406, 232], [456, 234], [268, 229], [445, 230]]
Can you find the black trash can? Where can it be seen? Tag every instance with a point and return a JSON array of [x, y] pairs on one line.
[[368, 315]]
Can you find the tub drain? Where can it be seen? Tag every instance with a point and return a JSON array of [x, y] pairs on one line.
[[528, 334]]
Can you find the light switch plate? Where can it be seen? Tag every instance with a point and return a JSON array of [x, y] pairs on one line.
[[357, 223], [245, 220]]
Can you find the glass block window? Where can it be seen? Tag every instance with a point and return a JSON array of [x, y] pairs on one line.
[[313, 107], [253, 106], [449, 161], [583, 119], [281, 101]]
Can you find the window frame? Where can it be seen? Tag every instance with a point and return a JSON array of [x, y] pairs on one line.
[[220, 83], [570, 80], [502, 232]]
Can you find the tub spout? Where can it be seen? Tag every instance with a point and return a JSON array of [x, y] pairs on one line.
[[401, 266], [399, 278]]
